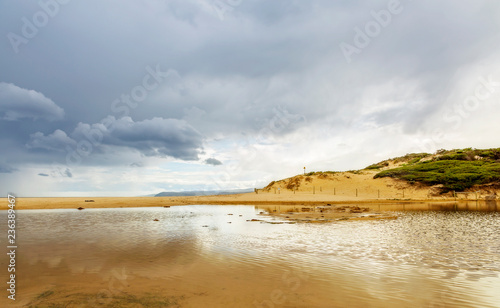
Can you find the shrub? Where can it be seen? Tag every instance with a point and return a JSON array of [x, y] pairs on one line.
[[377, 166], [452, 174], [293, 183]]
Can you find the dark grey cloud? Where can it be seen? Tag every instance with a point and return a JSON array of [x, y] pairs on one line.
[[213, 162], [251, 73], [18, 103], [255, 44], [43, 174], [153, 137]]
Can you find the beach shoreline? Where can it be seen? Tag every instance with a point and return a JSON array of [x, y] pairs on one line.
[[31, 203], [304, 190]]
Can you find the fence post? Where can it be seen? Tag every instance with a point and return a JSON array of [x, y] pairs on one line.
[[356, 192]]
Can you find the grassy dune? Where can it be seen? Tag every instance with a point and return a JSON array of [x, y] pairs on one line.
[[455, 170]]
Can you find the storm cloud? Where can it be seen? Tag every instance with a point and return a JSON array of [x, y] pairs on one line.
[[152, 89], [154, 137]]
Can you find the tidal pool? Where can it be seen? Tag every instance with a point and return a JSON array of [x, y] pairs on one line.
[[213, 256]]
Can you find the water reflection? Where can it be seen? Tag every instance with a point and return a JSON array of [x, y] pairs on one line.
[[480, 205], [213, 256]]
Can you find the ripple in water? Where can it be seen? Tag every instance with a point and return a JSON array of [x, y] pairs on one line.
[[452, 258]]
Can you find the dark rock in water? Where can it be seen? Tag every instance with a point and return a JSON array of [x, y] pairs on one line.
[[155, 219], [205, 226], [229, 214], [166, 206], [228, 222], [80, 208]]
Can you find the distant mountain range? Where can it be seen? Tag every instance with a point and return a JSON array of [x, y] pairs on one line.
[[203, 192]]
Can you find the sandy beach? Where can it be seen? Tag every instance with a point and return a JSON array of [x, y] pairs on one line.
[[315, 190]]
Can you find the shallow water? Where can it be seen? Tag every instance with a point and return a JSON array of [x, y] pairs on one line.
[[201, 256]]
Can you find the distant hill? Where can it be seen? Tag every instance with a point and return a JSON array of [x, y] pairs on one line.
[[203, 192]]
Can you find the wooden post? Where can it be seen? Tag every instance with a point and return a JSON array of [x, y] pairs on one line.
[[314, 190], [334, 191], [356, 192], [320, 189]]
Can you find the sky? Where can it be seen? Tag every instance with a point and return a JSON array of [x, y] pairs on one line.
[[131, 98]]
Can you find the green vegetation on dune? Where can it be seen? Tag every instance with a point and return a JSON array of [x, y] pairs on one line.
[[455, 170]]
